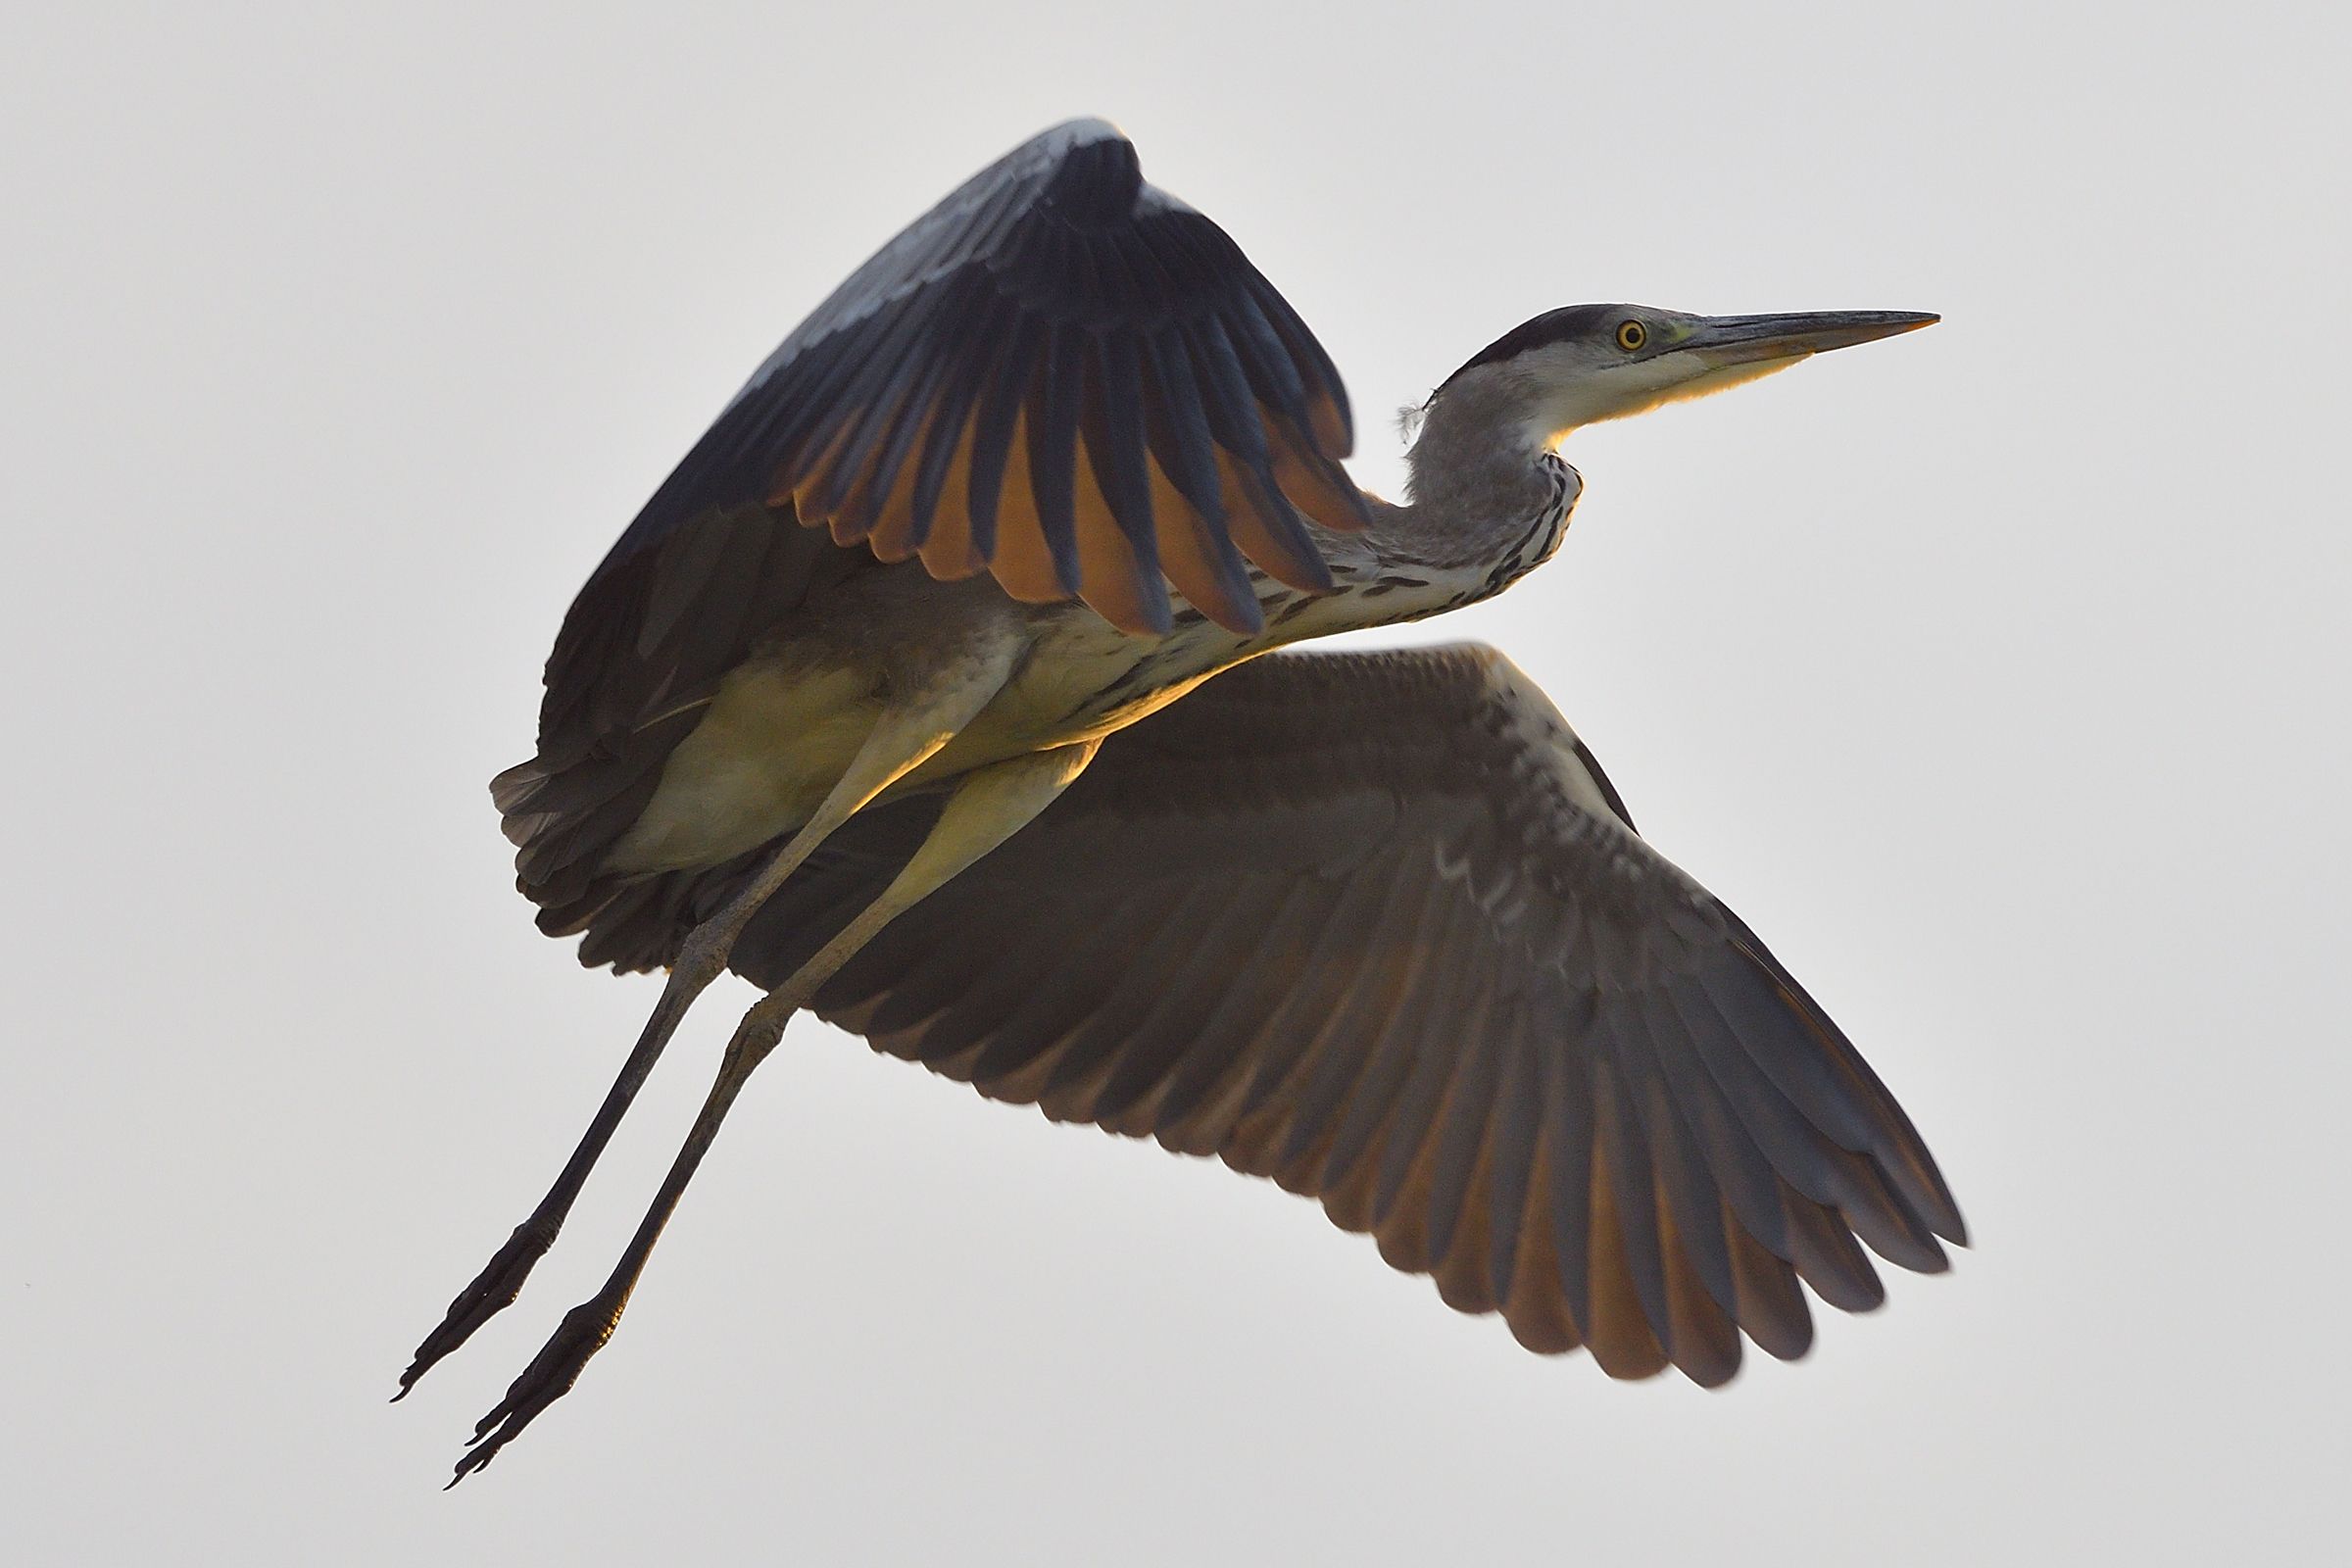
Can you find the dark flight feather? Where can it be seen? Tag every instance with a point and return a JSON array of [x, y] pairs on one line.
[[1412, 960], [1052, 279]]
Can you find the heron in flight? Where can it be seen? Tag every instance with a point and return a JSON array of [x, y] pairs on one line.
[[891, 700]]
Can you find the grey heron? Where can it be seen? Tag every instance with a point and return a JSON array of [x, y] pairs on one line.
[[887, 702]]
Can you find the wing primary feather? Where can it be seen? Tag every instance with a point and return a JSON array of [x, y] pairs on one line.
[[1620, 1336], [1221, 949], [1206, 1071], [1534, 1309], [1272, 377], [1291, 420], [1885, 1224], [1459, 1238], [864, 507], [935, 967], [1791, 1143], [1689, 1203], [1114, 447], [1283, 544], [935, 403], [1054, 449], [1511, 1153], [1742, 1170], [1000, 977], [953, 415], [1048, 1017], [793, 417], [1829, 1259], [1296, 1038], [1787, 1051], [1568, 1146], [1772, 1308], [973, 328], [1704, 1338], [1340, 954], [1402, 1201], [1183, 441], [1369, 1013], [1437, 1060], [1827, 1171], [1198, 544], [1428, 1015], [1630, 1184], [736, 611], [1202, 561], [1331, 422], [870, 398], [1228, 403], [1271, 530], [1898, 1145], [1006, 385], [1095, 1044]]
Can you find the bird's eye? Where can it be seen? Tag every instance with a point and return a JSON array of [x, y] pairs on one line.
[[1631, 335]]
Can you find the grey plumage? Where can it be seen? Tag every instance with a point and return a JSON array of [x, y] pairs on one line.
[[887, 699], [1057, 299], [1403, 969]]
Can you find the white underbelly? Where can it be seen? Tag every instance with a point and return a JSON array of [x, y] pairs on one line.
[[780, 733], [773, 741]]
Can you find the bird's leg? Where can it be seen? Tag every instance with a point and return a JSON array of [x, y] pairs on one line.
[[986, 807], [903, 740], [500, 1280]]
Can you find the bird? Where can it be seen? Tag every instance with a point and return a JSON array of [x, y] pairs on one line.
[[942, 691]]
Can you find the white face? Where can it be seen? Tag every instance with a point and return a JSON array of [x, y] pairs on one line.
[[1583, 381], [1588, 363]]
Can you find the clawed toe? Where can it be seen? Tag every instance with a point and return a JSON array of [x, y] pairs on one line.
[[550, 1376], [586, 1327], [490, 1292]]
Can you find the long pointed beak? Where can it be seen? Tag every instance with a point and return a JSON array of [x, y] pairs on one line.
[[1720, 340]]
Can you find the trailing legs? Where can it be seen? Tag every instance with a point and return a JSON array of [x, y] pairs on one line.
[[900, 741], [987, 806]]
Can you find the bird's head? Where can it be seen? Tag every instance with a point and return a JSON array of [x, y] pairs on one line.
[[1582, 364]]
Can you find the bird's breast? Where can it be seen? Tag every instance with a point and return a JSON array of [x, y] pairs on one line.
[[1084, 679], [785, 726]]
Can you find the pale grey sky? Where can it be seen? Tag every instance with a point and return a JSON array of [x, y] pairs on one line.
[[1995, 675]]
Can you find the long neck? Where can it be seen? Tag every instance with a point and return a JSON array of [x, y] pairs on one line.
[[1486, 502]]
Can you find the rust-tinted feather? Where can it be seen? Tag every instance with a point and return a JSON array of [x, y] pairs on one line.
[[1331, 920], [1053, 302]]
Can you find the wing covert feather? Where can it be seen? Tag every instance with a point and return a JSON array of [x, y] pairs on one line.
[[1376, 926]]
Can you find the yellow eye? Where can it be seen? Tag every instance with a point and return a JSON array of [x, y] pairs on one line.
[[1631, 335]]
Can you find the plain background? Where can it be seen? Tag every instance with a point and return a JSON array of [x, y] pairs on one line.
[[1997, 674]]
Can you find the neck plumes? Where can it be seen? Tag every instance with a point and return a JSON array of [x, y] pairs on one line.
[[1486, 502]]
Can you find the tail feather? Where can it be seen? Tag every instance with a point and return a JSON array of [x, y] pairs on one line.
[[564, 820]]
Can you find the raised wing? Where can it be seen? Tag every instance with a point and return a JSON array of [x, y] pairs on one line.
[[1377, 927], [1059, 374]]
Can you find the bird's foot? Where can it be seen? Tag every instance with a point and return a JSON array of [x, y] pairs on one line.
[[550, 1376], [491, 1293]]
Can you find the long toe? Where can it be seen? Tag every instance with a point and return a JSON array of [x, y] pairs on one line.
[[550, 1376], [490, 1292]]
